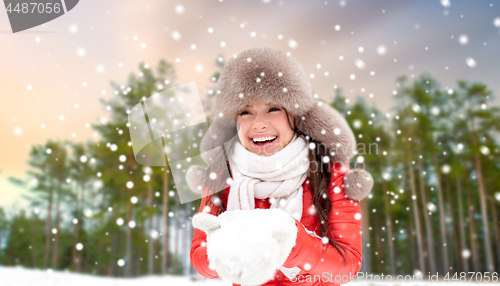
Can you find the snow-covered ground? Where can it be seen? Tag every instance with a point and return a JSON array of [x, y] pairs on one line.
[[17, 276]]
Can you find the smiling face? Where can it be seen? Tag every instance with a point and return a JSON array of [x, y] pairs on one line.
[[264, 129]]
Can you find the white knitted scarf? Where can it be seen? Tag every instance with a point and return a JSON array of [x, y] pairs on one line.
[[278, 177]]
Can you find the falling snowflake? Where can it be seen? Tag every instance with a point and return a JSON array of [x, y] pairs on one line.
[[470, 62], [386, 176], [213, 176], [485, 150], [463, 39], [435, 110], [446, 3], [497, 196], [431, 207], [81, 52], [381, 50], [466, 253], [496, 22], [34, 183], [121, 262], [176, 35], [73, 28], [100, 68], [103, 120], [179, 9], [154, 234], [360, 64], [18, 131], [446, 169], [88, 213]]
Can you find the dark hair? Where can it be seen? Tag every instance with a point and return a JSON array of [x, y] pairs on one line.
[[319, 174]]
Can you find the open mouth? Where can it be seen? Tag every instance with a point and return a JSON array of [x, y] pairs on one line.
[[264, 140]]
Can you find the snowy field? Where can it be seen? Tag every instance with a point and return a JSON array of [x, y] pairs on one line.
[[17, 276]]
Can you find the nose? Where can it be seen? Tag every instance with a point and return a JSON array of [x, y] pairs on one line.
[[260, 122]]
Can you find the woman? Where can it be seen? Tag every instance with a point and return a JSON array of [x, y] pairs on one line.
[[275, 150]]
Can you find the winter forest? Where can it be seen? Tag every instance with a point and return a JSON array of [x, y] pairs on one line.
[[434, 206], [417, 82]]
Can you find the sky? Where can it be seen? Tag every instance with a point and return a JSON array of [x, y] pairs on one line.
[[53, 76]]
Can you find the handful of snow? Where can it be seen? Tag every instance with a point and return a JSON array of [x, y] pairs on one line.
[[248, 246]]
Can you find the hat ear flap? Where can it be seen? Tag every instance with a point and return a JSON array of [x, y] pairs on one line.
[[326, 125], [196, 177], [357, 184]]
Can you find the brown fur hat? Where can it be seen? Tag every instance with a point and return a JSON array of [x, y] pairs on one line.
[[271, 75]]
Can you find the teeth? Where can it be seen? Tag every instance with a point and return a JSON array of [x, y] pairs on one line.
[[262, 139]]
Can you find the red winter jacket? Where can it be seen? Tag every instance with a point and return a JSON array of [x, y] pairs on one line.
[[325, 267]]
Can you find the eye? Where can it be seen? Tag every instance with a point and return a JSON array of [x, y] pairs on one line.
[[244, 112], [274, 109]]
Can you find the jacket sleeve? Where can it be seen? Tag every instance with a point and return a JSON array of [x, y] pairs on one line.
[[309, 254], [198, 255]]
